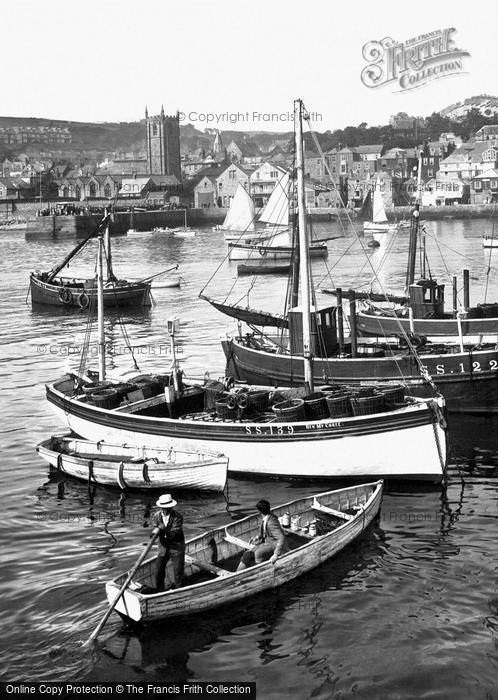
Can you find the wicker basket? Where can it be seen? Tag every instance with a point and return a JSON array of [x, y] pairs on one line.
[[105, 398], [224, 411], [95, 386], [339, 405], [163, 380], [292, 410], [393, 394], [258, 401], [331, 389], [364, 405], [149, 386], [315, 406]]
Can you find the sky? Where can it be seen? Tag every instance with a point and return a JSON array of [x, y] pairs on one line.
[[228, 64]]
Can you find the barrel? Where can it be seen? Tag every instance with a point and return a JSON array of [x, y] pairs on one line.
[[291, 410]]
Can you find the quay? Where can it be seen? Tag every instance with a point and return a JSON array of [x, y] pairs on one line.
[[76, 226]]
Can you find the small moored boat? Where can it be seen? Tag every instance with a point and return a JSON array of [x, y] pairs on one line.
[[135, 467], [211, 559], [489, 242]]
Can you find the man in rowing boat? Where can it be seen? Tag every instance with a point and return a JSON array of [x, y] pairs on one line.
[[168, 524], [270, 543]]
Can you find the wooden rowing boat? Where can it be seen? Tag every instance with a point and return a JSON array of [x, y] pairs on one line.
[[339, 516], [263, 269], [135, 467]]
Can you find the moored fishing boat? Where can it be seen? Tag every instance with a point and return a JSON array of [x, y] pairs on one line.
[[467, 376], [255, 268], [49, 288], [424, 312], [269, 251], [339, 517], [134, 467]]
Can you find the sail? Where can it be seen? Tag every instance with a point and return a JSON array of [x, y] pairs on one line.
[[379, 213], [250, 316], [366, 211], [276, 211], [240, 216]]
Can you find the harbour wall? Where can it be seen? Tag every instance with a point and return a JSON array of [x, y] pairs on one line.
[[77, 226]]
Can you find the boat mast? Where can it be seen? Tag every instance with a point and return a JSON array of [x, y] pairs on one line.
[[55, 271], [412, 248], [108, 255], [303, 248], [100, 308]]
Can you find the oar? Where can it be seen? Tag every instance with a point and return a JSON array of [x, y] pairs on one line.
[[101, 624]]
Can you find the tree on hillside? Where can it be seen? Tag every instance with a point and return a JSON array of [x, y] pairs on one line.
[[472, 122], [436, 125]]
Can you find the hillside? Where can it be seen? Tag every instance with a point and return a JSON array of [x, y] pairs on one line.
[[97, 140]]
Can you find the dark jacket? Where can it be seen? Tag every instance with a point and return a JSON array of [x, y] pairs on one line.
[[171, 538], [273, 534]]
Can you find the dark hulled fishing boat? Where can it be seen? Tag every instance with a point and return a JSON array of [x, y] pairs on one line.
[[423, 312], [465, 374], [49, 288]]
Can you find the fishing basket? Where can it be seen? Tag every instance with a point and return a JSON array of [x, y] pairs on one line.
[[258, 401], [213, 391], [394, 394], [363, 392], [291, 410], [92, 387], [105, 398], [339, 405], [224, 410], [149, 386], [364, 405], [163, 379], [315, 406], [331, 389]]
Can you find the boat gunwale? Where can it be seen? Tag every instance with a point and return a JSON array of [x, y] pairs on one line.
[[415, 410], [391, 358], [212, 457], [377, 489]]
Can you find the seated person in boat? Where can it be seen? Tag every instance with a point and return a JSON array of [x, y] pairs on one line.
[[270, 543], [168, 524]]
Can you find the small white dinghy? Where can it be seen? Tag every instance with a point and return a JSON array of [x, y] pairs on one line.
[[135, 467]]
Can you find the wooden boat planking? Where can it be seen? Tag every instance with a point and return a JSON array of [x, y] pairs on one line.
[[225, 585], [362, 446], [80, 293], [135, 467]]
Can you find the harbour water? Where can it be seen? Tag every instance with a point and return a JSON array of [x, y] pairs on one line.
[[409, 610]]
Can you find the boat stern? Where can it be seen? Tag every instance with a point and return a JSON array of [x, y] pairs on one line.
[[129, 605]]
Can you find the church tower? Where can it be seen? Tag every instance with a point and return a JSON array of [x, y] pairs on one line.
[[163, 144]]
